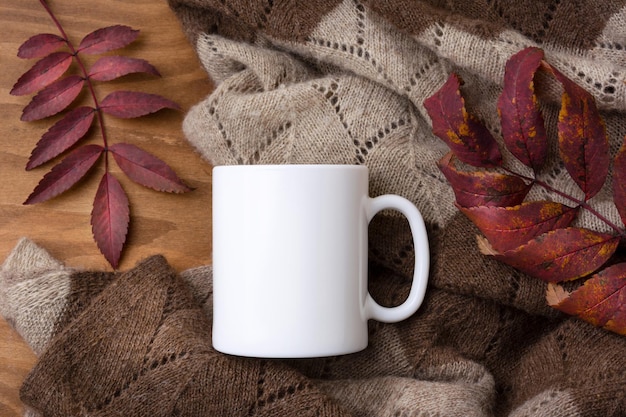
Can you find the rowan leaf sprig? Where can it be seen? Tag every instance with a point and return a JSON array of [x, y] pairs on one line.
[[56, 90], [537, 237]]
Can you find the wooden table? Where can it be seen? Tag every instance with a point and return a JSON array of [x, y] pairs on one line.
[[177, 226]]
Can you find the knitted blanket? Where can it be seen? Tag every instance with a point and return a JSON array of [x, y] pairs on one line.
[[330, 81]]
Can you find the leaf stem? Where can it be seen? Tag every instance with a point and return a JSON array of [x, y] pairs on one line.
[[86, 77], [621, 232], [56, 22]]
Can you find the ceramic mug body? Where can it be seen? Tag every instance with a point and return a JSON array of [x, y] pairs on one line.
[[290, 260]]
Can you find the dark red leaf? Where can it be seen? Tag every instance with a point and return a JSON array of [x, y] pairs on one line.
[[111, 67], [583, 143], [107, 39], [40, 45], [469, 140], [523, 129], [483, 188], [619, 181], [146, 169], [129, 104], [43, 73], [53, 99], [109, 218], [562, 254], [67, 173], [61, 136], [507, 228], [601, 301]]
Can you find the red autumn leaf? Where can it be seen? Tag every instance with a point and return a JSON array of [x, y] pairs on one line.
[[109, 68], [129, 104], [109, 218], [67, 173], [523, 129], [619, 181], [53, 99], [40, 45], [43, 73], [537, 237], [482, 188], [107, 39], [61, 136], [583, 142], [507, 228], [562, 254], [146, 169], [469, 140], [601, 301]]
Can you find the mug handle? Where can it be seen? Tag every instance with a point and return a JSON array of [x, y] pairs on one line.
[[375, 311]]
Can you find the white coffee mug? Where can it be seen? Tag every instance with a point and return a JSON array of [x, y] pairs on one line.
[[290, 260]]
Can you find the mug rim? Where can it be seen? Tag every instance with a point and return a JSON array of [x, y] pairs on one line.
[[290, 167]]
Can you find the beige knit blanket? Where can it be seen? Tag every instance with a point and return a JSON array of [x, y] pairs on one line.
[[344, 82]]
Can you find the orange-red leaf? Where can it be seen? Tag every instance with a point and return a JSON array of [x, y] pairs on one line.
[[469, 140], [482, 188], [506, 228], [111, 67], [601, 301], [107, 39], [43, 73], [53, 99], [583, 142], [523, 129], [67, 173], [562, 254], [40, 45], [130, 104], [619, 181], [61, 136], [109, 218], [146, 169]]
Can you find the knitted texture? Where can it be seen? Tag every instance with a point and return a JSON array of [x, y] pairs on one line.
[[330, 81], [138, 343], [344, 82]]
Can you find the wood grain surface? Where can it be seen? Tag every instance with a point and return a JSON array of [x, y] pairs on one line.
[[177, 226]]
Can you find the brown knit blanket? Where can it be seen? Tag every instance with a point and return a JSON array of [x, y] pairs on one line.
[[344, 82]]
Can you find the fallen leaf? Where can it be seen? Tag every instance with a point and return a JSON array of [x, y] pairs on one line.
[[522, 124], [56, 94], [601, 301], [109, 68], [506, 228], [43, 73], [146, 169], [537, 237], [61, 136], [583, 143], [130, 104], [563, 254], [469, 140], [53, 99], [109, 218], [483, 188], [40, 45], [107, 39], [65, 174]]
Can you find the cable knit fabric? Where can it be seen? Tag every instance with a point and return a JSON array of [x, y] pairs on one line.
[[332, 81]]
